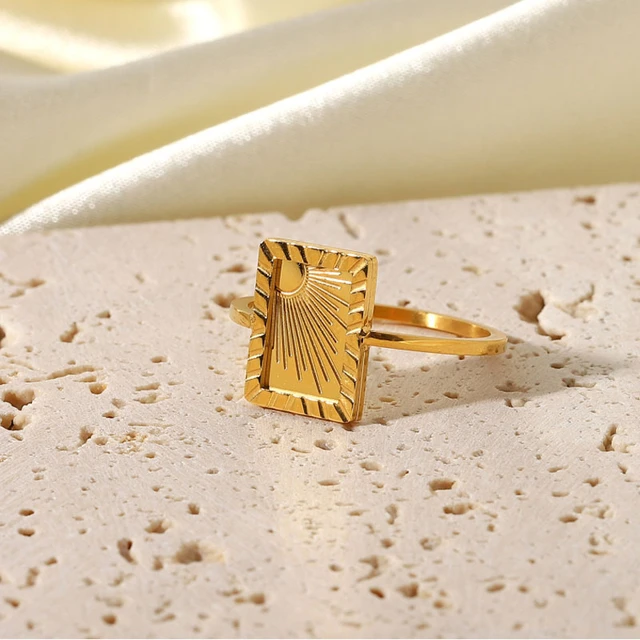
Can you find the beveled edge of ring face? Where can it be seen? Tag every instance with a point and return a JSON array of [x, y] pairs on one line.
[[349, 364]]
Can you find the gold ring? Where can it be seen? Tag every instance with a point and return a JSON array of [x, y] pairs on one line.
[[311, 319]]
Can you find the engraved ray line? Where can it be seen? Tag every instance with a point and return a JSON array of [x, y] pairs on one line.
[[328, 315], [326, 283], [322, 322], [333, 278], [313, 340], [328, 274], [329, 306], [306, 343], [290, 337], [310, 340], [280, 321], [287, 333], [328, 319], [278, 333], [297, 345], [326, 288], [332, 296], [323, 343], [333, 283]]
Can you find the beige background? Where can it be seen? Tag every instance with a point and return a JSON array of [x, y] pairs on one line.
[[491, 497], [185, 108]]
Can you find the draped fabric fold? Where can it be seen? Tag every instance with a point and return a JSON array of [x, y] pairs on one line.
[[374, 100]]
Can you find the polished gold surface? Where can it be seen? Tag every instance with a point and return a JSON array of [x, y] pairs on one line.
[[310, 308], [311, 328]]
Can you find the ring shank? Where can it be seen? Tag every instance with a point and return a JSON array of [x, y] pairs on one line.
[[464, 338]]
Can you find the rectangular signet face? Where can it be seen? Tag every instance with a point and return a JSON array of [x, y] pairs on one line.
[[312, 306]]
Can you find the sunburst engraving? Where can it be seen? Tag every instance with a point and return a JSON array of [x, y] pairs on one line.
[[312, 306], [311, 314]]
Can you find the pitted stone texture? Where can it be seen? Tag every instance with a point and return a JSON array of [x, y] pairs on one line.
[[142, 496]]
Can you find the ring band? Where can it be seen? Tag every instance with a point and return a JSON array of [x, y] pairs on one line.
[[472, 339], [311, 321]]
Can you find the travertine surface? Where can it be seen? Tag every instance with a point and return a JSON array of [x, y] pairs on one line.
[[141, 495]]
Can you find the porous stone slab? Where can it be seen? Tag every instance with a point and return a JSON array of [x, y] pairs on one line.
[[142, 496]]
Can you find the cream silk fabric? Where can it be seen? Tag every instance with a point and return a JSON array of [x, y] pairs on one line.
[[129, 110]]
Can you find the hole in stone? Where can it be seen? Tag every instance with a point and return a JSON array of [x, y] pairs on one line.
[[193, 508], [377, 592], [584, 199], [511, 387], [325, 445], [409, 590], [124, 549], [570, 517], [97, 388], [152, 386], [26, 532], [236, 268], [371, 465], [392, 513], [530, 306], [328, 483], [109, 619], [159, 359], [607, 440], [26, 512], [189, 552], [441, 484], [6, 421], [104, 314], [19, 399], [224, 299], [151, 398], [85, 435], [157, 526], [458, 509], [257, 598], [429, 544], [70, 334]]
